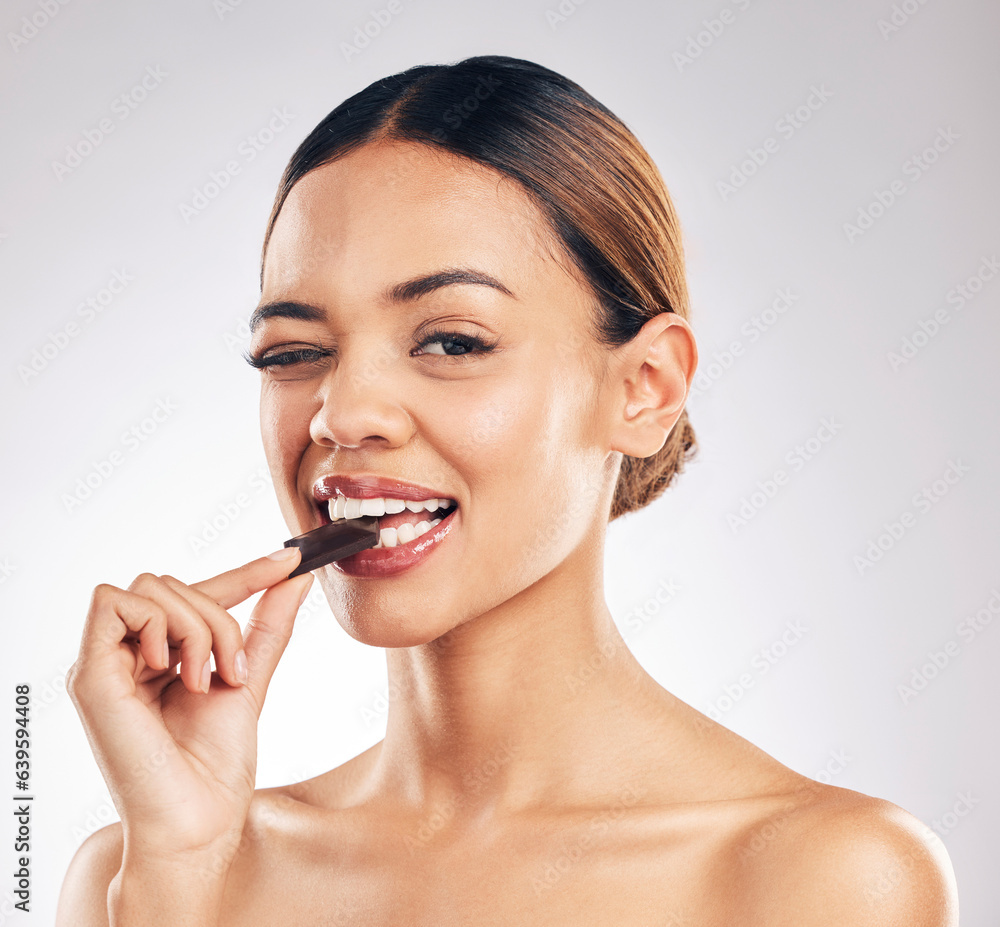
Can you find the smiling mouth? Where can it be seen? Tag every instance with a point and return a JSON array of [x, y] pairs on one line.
[[401, 521]]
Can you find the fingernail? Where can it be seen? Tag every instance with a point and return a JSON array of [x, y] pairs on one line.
[[166, 654], [240, 665], [286, 553], [305, 592], [206, 676]]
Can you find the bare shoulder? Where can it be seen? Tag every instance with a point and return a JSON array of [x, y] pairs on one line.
[[83, 900], [834, 856], [284, 820], [340, 787], [278, 826]]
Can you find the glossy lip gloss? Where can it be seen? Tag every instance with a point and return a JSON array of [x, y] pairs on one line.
[[334, 541], [384, 562]]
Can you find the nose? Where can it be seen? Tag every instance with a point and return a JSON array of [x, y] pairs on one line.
[[359, 403]]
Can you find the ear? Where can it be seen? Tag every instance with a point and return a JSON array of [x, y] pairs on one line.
[[653, 375]]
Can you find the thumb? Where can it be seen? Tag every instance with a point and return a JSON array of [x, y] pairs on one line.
[[269, 630]]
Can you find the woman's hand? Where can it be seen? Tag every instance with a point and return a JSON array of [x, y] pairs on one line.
[[180, 761]]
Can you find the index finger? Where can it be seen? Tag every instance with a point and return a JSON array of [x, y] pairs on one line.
[[235, 586]]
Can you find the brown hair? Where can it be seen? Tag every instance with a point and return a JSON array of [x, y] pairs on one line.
[[590, 176]]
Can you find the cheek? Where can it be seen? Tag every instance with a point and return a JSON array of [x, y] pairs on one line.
[[515, 437], [284, 427], [487, 431], [561, 458]]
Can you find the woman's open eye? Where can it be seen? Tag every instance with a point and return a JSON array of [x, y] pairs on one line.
[[452, 344], [286, 357]]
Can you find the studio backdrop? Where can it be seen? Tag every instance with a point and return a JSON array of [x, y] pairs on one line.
[[823, 578]]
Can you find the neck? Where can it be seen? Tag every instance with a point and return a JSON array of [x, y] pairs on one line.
[[534, 699]]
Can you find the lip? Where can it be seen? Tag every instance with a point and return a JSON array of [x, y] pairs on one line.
[[384, 561], [369, 486], [388, 561]]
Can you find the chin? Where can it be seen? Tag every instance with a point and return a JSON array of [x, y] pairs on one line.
[[383, 635], [385, 626]]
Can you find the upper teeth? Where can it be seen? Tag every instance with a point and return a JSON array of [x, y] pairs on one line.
[[344, 507]]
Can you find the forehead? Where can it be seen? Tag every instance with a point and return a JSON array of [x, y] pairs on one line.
[[390, 210]]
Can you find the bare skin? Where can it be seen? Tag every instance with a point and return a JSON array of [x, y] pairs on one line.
[[531, 770]]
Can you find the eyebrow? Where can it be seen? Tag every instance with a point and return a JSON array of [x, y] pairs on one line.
[[285, 309], [406, 292], [421, 286]]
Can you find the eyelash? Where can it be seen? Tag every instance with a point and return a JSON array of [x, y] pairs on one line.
[[300, 355], [471, 343]]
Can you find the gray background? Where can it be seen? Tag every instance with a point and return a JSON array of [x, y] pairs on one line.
[[698, 596]]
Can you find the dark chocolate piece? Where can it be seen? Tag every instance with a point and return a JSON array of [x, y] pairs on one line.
[[334, 541]]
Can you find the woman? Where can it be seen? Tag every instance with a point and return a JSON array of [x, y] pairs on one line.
[[472, 296]]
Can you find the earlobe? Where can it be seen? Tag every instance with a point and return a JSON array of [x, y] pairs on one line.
[[657, 367]]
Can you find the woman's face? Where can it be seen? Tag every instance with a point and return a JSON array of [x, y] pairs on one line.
[[369, 258]]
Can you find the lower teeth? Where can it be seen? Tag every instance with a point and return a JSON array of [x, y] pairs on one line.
[[404, 534]]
